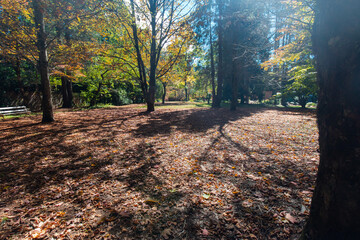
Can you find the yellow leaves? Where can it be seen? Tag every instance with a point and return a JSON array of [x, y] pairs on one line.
[[61, 214]]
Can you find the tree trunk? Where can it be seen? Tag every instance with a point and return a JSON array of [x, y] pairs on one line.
[[153, 57], [66, 89], [17, 68], [66, 81], [186, 90], [302, 101], [234, 82], [234, 91], [164, 94], [140, 62], [94, 99], [43, 62], [335, 205], [212, 61], [220, 76]]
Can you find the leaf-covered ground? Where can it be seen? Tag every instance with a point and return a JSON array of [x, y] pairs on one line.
[[120, 173]]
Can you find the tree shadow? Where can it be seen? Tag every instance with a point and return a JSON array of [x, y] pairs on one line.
[[191, 120], [74, 148]]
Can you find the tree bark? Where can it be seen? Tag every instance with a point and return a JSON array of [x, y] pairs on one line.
[[212, 62], [335, 205], [140, 62], [66, 82], [153, 57], [43, 62], [17, 68], [234, 87], [235, 74], [220, 76], [164, 93], [66, 87]]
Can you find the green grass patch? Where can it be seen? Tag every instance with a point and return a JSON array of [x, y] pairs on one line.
[[179, 105]]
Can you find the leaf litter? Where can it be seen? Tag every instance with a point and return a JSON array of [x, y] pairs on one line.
[[120, 173]]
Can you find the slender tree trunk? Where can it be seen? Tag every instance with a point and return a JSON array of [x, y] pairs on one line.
[[335, 205], [140, 62], [66, 89], [70, 93], [17, 68], [220, 75], [235, 74], [66, 82], [234, 86], [164, 94], [212, 62], [186, 91], [43, 63], [153, 57]]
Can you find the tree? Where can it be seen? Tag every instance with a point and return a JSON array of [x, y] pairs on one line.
[[292, 64], [45, 21], [43, 61], [159, 21], [17, 36], [243, 44], [335, 205]]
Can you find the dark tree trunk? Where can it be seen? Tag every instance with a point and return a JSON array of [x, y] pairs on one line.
[[43, 63], [66, 81], [212, 61], [234, 90], [220, 75], [303, 101], [140, 62], [150, 106], [153, 57], [186, 91], [335, 205], [66, 89], [234, 82], [164, 93], [17, 68]]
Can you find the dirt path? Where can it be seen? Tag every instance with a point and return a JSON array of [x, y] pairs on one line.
[[119, 173]]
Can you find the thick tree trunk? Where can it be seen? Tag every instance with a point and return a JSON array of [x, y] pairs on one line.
[[150, 106], [335, 206], [43, 68]]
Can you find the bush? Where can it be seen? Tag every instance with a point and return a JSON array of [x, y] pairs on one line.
[[119, 97]]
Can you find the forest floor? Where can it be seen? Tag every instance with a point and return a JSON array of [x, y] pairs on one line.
[[120, 173]]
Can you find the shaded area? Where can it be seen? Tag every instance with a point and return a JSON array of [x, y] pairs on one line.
[[173, 174]]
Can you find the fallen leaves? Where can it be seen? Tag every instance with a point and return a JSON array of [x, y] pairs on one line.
[[290, 218], [118, 173]]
